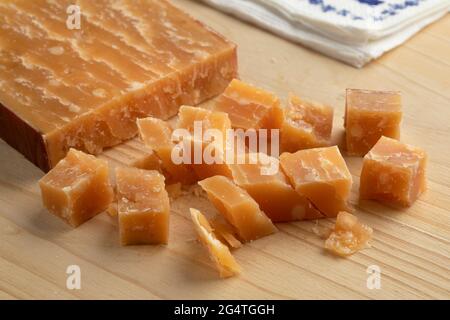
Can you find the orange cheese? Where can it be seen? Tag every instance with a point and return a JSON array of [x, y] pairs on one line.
[[218, 252], [157, 135], [84, 86], [143, 206], [249, 107], [273, 192], [368, 116], [393, 173], [238, 208], [306, 125], [321, 175], [348, 235], [225, 232], [77, 188]]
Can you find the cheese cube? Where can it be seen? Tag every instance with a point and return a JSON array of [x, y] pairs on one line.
[[238, 208], [273, 192], [209, 119], [218, 252], [321, 175], [143, 206], [77, 188], [306, 125], [370, 115], [249, 107], [348, 235], [157, 135], [393, 173]]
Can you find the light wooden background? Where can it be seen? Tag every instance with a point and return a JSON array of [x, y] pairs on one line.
[[411, 246]]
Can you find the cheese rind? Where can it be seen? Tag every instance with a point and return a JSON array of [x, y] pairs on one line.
[[84, 88], [249, 107], [321, 175], [238, 208], [143, 206], [393, 173], [369, 115], [218, 252], [273, 192], [77, 188], [306, 125], [348, 235]]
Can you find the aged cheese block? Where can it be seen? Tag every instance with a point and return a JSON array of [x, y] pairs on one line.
[[321, 175], [238, 208], [157, 135], [249, 107], [306, 125], [368, 116], [77, 188], [348, 235], [143, 206], [218, 252], [273, 192], [393, 173], [63, 86]]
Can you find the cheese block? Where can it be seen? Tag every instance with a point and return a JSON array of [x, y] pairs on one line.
[[393, 173], [64, 86], [348, 235], [273, 192], [77, 188], [250, 107], [370, 114], [306, 125], [218, 252], [143, 206], [238, 208], [321, 175]]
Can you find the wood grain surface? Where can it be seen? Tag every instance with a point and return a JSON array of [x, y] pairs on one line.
[[412, 247]]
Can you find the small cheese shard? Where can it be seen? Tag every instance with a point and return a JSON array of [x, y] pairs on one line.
[[321, 175], [157, 135], [143, 206], [368, 116], [306, 125], [85, 87], [393, 173], [348, 236], [77, 188], [218, 252], [238, 208], [225, 232], [187, 116], [249, 107], [260, 175]]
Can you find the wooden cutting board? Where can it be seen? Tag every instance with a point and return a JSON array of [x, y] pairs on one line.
[[411, 247]]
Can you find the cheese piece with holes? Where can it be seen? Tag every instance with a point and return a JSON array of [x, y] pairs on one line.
[[393, 173], [306, 125], [143, 206], [218, 252], [157, 135], [238, 208], [369, 115], [321, 175], [261, 176], [249, 107], [77, 188], [348, 235], [84, 87]]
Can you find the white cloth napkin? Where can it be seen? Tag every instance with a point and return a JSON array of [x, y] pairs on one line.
[[353, 31]]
